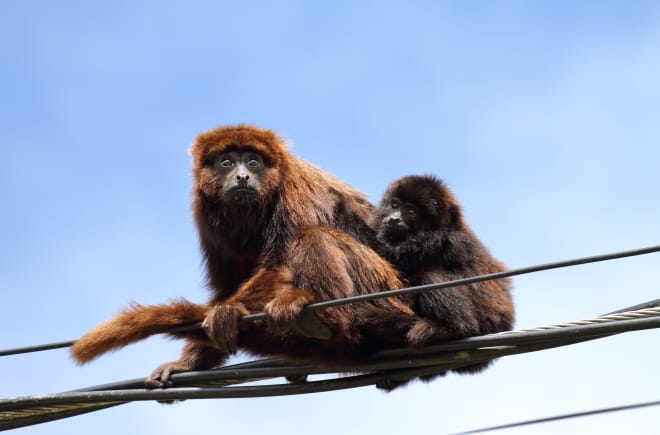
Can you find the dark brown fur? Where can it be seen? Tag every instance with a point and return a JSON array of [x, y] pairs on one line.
[[420, 229], [296, 237]]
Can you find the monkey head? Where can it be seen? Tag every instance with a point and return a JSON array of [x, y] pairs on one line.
[[238, 166], [413, 205]]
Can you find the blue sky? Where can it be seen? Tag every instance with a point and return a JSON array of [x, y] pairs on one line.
[[541, 116]]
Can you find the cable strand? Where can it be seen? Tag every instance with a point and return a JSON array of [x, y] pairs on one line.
[[393, 293]]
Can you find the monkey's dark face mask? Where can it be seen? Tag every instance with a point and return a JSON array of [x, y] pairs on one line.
[[393, 233], [241, 173], [398, 222]]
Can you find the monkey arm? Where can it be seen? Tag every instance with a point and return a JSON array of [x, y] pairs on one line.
[[269, 290]]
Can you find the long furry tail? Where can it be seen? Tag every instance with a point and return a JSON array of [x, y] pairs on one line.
[[136, 323]]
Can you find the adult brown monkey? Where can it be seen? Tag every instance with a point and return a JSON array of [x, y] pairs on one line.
[[276, 233]]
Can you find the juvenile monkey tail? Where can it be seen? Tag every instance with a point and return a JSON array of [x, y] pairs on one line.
[[136, 323]]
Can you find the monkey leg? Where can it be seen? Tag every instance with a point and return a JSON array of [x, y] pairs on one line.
[[331, 264], [285, 311], [321, 264], [269, 290]]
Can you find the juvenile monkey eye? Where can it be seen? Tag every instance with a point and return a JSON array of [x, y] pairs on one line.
[[412, 211], [253, 163], [226, 163], [394, 205]]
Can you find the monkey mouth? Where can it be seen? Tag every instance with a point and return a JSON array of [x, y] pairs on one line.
[[393, 234], [242, 195]]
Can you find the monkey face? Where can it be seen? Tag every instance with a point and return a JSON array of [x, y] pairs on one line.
[[415, 204], [241, 173], [396, 220], [236, 168]]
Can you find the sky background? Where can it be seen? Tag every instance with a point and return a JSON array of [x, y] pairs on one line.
[[543, 117]]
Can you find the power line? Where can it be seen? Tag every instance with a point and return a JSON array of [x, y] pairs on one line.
[[37, 348], [563, 417], [394, 293], [393, 365]]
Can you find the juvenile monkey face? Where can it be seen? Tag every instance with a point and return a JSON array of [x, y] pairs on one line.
[[241, 174], [396, 220]]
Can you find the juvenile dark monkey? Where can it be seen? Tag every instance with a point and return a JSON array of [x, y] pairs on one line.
[[420, 229], [276, 234]]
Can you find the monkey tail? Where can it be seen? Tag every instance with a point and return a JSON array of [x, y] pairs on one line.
[[136, 323]]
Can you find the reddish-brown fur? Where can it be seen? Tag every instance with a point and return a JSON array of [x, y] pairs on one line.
[[138, 322], [302, 240]]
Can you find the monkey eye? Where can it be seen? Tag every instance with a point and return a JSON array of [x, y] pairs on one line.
[[412, 211], [226, 163], [253, 160], [394, 205]]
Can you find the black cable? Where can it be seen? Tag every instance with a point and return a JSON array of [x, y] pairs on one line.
[[448, 355], [20, 412], [24, 411], [563, 417], [470, 280], [37, 348], [393, 293], [31, 415]]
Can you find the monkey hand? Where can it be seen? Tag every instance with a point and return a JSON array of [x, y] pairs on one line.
[[286, 312], [221, 326]]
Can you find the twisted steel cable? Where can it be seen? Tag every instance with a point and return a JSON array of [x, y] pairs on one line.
[[394, 365]]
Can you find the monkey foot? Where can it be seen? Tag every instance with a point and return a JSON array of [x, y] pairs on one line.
[[160, 377], [425, 330]]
